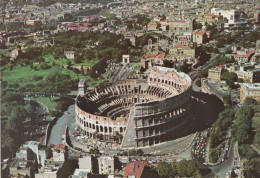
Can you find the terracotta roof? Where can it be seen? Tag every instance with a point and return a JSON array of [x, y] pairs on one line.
[[59, 146], [135, 169], [178, 45], [199, 32], [156, 55], [161, 56], [213, 15], [184, 39], [221, 66], [248, 54]]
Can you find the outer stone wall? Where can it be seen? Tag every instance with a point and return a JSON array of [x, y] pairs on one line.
[[159, 109]]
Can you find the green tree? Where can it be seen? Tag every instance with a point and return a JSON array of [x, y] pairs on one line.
[[230, 78], [250, 101], [81, 70], [162, 169], [243, 125], [256, 127], [227, 100], [140, 152], [185, 67], [202, 73], [198, 83], [167, 169], [198, 26], [186, 168], [31, 65], [132, 152]]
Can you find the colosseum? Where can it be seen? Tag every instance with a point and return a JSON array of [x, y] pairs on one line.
[[134, 112]]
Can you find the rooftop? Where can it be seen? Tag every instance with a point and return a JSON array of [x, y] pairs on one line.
[[178, 45], [252, 86], [199, 32], [59, 146], [135, 169], [248, 54]]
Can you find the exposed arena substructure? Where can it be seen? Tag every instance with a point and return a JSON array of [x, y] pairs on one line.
[[136, 113]]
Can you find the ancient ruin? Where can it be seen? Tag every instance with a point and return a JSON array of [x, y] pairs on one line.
[[136, 113]]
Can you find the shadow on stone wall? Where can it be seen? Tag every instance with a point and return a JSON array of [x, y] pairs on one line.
[[205, 110]]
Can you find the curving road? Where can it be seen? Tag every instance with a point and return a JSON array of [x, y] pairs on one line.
[[226, 167], [67, 119]]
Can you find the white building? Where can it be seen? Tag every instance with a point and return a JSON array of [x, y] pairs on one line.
[[251, 90], [86, 163], [59, 153], [232, 17], [106, 165], [69, 54]]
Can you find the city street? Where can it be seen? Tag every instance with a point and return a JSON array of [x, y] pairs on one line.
[[225, 167], [67, 119]]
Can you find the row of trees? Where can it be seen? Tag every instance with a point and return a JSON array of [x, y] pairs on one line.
[[185, 168], [62, 105], [54, 82], [246, 132], [13, 114], [222, 60], [219, 132]]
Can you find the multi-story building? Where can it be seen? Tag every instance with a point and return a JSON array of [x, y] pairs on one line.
[[251, 90], [252, 76], [211, 18], [152, 26], [33, 22], [60, 153], [200, 37], [181, 26], [243, 56], [182, 52], [150, 60], [214, 74], [85, 167], [106, 165], [136, 169], [23, 168], [232, 17]]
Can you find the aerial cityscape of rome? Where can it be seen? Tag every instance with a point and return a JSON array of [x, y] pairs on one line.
[[130, 88]]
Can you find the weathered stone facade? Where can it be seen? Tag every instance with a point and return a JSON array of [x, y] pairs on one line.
[[148, 111]]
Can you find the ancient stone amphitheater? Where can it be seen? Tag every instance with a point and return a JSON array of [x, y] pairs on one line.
[[136, 113]]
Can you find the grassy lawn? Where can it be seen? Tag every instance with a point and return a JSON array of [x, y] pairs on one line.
[[49, 102], [62, 61], [24, 75]]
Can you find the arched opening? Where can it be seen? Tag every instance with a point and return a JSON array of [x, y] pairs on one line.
[[101, 128], [105, 129], [110, 130], [121, 129], [97, 128]]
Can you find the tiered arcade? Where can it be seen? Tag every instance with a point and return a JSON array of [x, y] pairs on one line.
[[150, 111]]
